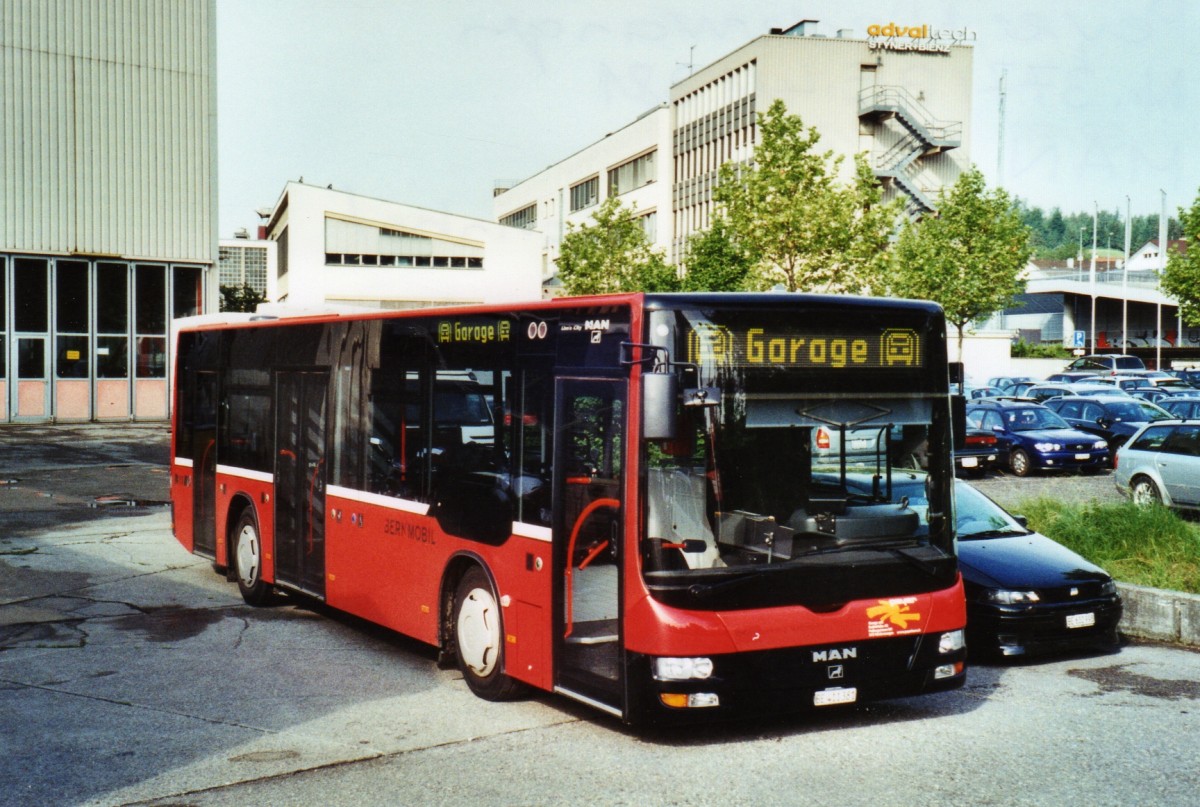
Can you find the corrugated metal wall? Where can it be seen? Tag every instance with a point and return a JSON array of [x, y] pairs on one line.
[[108, 127]]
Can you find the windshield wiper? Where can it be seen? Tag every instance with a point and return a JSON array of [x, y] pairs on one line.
[[702, 590], [994, 533]]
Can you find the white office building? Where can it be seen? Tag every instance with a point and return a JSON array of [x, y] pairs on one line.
[[902, 99], [339, 249]]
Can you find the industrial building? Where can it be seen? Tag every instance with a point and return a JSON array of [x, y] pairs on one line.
[[107, 201], [904, 101]]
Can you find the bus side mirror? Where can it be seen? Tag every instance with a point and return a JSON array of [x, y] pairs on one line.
[[660, 399]]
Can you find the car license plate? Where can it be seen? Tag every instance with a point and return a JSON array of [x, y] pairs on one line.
[[1081, 620], [860, 445], [970, 462], [831, 697], [1083, 456]]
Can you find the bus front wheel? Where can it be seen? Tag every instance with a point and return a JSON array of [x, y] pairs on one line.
[[247, 560], [479, 638]]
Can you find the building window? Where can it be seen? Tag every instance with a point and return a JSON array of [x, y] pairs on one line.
[[150, 320], [30, 295], [585, 194], [524, 219], [633, 174], [649, 224]]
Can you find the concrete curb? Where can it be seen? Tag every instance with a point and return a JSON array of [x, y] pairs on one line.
[[1168, 616]]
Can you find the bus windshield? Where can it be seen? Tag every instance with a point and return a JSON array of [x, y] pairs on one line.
[[790, 471]]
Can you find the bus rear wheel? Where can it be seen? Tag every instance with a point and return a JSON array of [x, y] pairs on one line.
[[247, 561], [479, 638]]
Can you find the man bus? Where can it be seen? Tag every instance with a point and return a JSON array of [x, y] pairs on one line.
[[652, 504]]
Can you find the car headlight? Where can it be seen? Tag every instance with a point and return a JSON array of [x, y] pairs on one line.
[[682, 669], [1048, 446], [1099, 444], [1109, 587], [1012, 597]]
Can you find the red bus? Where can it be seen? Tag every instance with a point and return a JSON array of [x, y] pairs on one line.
[[664, 506]]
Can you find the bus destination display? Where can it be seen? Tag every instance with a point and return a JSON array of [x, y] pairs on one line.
[[760, 347]]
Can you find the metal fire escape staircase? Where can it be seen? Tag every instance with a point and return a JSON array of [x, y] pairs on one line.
[[924, 136]]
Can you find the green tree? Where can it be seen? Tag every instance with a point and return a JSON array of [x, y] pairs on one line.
[[968, 257], [240, 298], [806, 230], [715, 261], [612, 254], [1181, 278]]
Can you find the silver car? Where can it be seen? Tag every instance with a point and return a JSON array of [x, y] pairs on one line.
[[1161, 464]]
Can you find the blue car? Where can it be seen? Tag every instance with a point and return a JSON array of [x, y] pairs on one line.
[[1037, 438]]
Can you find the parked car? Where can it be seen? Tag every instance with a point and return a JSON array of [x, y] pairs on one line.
[[1070, 377], [1004, 382], [1161, 464], [1112, 417], [1153, 394], [1037, 438], [1125, 383], [982, 452], [1025, 593], [1099, 388], [1040, 393], [1106, 363], [982, 392], [1184, 407], [1189, 376]]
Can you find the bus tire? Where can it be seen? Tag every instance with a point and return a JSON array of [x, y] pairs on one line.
[[479, 638], [247, 561]]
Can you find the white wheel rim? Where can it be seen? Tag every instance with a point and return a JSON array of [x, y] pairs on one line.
[[1143, 494], [247, 556], [479, 632]]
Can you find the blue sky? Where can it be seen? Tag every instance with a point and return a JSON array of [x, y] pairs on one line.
[[432, 103]]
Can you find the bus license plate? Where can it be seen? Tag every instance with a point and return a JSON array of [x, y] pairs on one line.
[[831, 697], [1083, 456], [1081, 620], [970, 462]]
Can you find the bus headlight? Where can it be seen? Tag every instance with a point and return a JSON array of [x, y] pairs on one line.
[[951, 641], [682, 669]]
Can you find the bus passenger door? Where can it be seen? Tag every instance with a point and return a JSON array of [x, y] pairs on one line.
[[204, 464], [588, 468], [300, 479]]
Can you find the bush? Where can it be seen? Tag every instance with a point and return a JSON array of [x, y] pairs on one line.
[[1025, 350], [1145, 546]]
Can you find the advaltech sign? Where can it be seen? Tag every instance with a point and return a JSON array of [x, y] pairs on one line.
[[920, 38]]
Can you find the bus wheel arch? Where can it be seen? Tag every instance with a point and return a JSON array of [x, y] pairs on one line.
[[472, 630]]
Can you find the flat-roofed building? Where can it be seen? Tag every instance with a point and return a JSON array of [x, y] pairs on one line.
[[341, 249]]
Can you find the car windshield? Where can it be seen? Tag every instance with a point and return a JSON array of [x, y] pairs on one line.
[[1134, 412], [975, 515], [1028, 420]]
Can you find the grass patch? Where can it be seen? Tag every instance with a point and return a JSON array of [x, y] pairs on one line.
[[1145, 546]]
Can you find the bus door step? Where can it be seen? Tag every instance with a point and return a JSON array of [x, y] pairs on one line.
[[601, 631]]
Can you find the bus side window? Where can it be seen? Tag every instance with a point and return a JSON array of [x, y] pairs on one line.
[[472, 490], [531, 416], [398, 449]]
